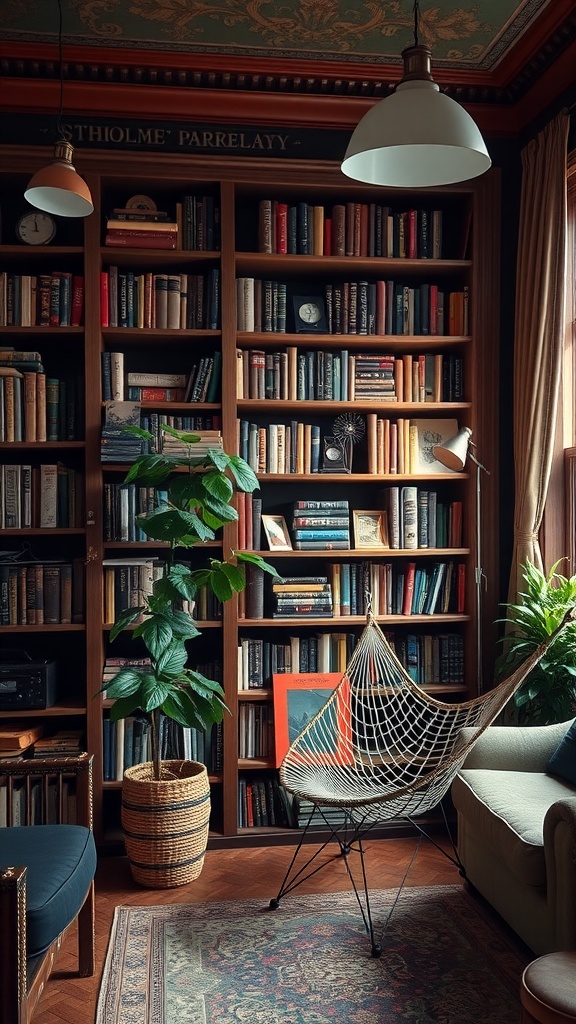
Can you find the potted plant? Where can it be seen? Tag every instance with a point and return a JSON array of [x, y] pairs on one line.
[[549, 692], [166, 804]]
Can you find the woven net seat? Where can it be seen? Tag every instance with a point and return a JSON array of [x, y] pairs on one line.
[[381, 747]]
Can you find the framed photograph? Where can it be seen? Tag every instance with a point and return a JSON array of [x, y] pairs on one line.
[[370, 529], [276, 532], [309, 314], [298, 697]]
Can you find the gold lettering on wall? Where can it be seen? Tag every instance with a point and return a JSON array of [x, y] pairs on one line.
[[185, 138]]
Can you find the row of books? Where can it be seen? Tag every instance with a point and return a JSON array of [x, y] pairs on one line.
[[318, 375], [195, 225], [406, 445], [415, 518], [128, 742], [118, 445], [160, 300], [129, 581], [255, 730], [383, 307], [262, 801], [34, 407], [259, 660], [43, 300], [405, 588], [391, 588], [35, 593], [349, 229], [431, 658], [200, 384], [122, 504], [48, 804], [299, 596], [280, 447], [45, 496]]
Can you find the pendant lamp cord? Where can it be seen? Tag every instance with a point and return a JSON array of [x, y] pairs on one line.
[[416, 20], [61, 66]]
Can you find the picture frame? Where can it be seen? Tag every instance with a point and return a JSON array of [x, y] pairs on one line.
[[309, 313], [370, 528], [276, 533], [298, 697]]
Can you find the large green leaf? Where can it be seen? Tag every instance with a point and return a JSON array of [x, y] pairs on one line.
[[244, 475], [253, 559], [218, 485], [157, 634], [172, 661], [125, 619]]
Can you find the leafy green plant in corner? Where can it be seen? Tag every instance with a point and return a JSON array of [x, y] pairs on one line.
[[549, 692], [198, 492]]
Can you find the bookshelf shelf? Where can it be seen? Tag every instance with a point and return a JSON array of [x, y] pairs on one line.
[[471, 228]]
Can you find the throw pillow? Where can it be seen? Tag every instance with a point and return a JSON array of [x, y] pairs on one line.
[[563, 760]]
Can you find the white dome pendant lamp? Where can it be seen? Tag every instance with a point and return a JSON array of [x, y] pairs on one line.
[[417, 136], [58, 188]]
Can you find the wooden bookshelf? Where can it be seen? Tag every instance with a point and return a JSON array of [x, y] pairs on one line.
[[238, 186]]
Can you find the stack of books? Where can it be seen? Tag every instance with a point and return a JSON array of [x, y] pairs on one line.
[[116, 444], [141, 229], [296, 596], [64, 743], [321, 525], [17, 737]]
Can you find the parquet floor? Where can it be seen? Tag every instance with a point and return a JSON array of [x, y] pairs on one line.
[[228, 874]]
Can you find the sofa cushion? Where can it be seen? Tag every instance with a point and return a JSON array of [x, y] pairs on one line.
[[563, 760], [507, 809], [61, 861]]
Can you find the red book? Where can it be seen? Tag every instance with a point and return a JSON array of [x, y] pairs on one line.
[[104, 322], [241, 509], [142, 242], [409, 576], [77, 301], [162, 394], [363, 229], [148, 233]]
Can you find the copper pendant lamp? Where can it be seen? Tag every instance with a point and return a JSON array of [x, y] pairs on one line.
[[58, 188]]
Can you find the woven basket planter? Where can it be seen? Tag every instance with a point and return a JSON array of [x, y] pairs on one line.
[[166, 823]]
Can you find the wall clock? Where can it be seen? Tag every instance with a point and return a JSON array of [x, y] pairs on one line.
[[309, 314], [36, 228]]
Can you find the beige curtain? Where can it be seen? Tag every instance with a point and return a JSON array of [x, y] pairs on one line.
[[539, 333]]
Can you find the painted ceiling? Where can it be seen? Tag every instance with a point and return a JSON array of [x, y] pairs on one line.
[[461, 34]]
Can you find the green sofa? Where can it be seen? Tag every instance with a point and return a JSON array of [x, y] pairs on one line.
[[517, 832]]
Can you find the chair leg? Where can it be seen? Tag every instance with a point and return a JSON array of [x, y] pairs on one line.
[[349, 839], [86, 958]]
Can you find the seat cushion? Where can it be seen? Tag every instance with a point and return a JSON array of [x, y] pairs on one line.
[[61, 861], [507, 809]]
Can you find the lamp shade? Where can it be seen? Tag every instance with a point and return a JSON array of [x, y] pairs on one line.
[[454, 452], [416, 137], [57, 188]]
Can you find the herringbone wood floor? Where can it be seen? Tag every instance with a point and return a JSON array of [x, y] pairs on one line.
[[228, 874]]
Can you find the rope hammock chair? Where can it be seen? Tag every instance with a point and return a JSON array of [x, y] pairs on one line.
[[380, 748]]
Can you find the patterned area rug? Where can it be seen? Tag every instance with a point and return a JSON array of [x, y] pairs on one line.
[[444, 962]]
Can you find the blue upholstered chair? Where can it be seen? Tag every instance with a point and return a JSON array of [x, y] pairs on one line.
[[46, 874]]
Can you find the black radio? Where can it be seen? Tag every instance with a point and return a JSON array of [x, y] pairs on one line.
[[26, 684]]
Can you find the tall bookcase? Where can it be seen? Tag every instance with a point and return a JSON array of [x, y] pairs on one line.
[[468, 263]]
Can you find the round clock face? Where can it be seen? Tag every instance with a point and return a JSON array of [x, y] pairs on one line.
[[309, 312], [333, 454], [36, 228]]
